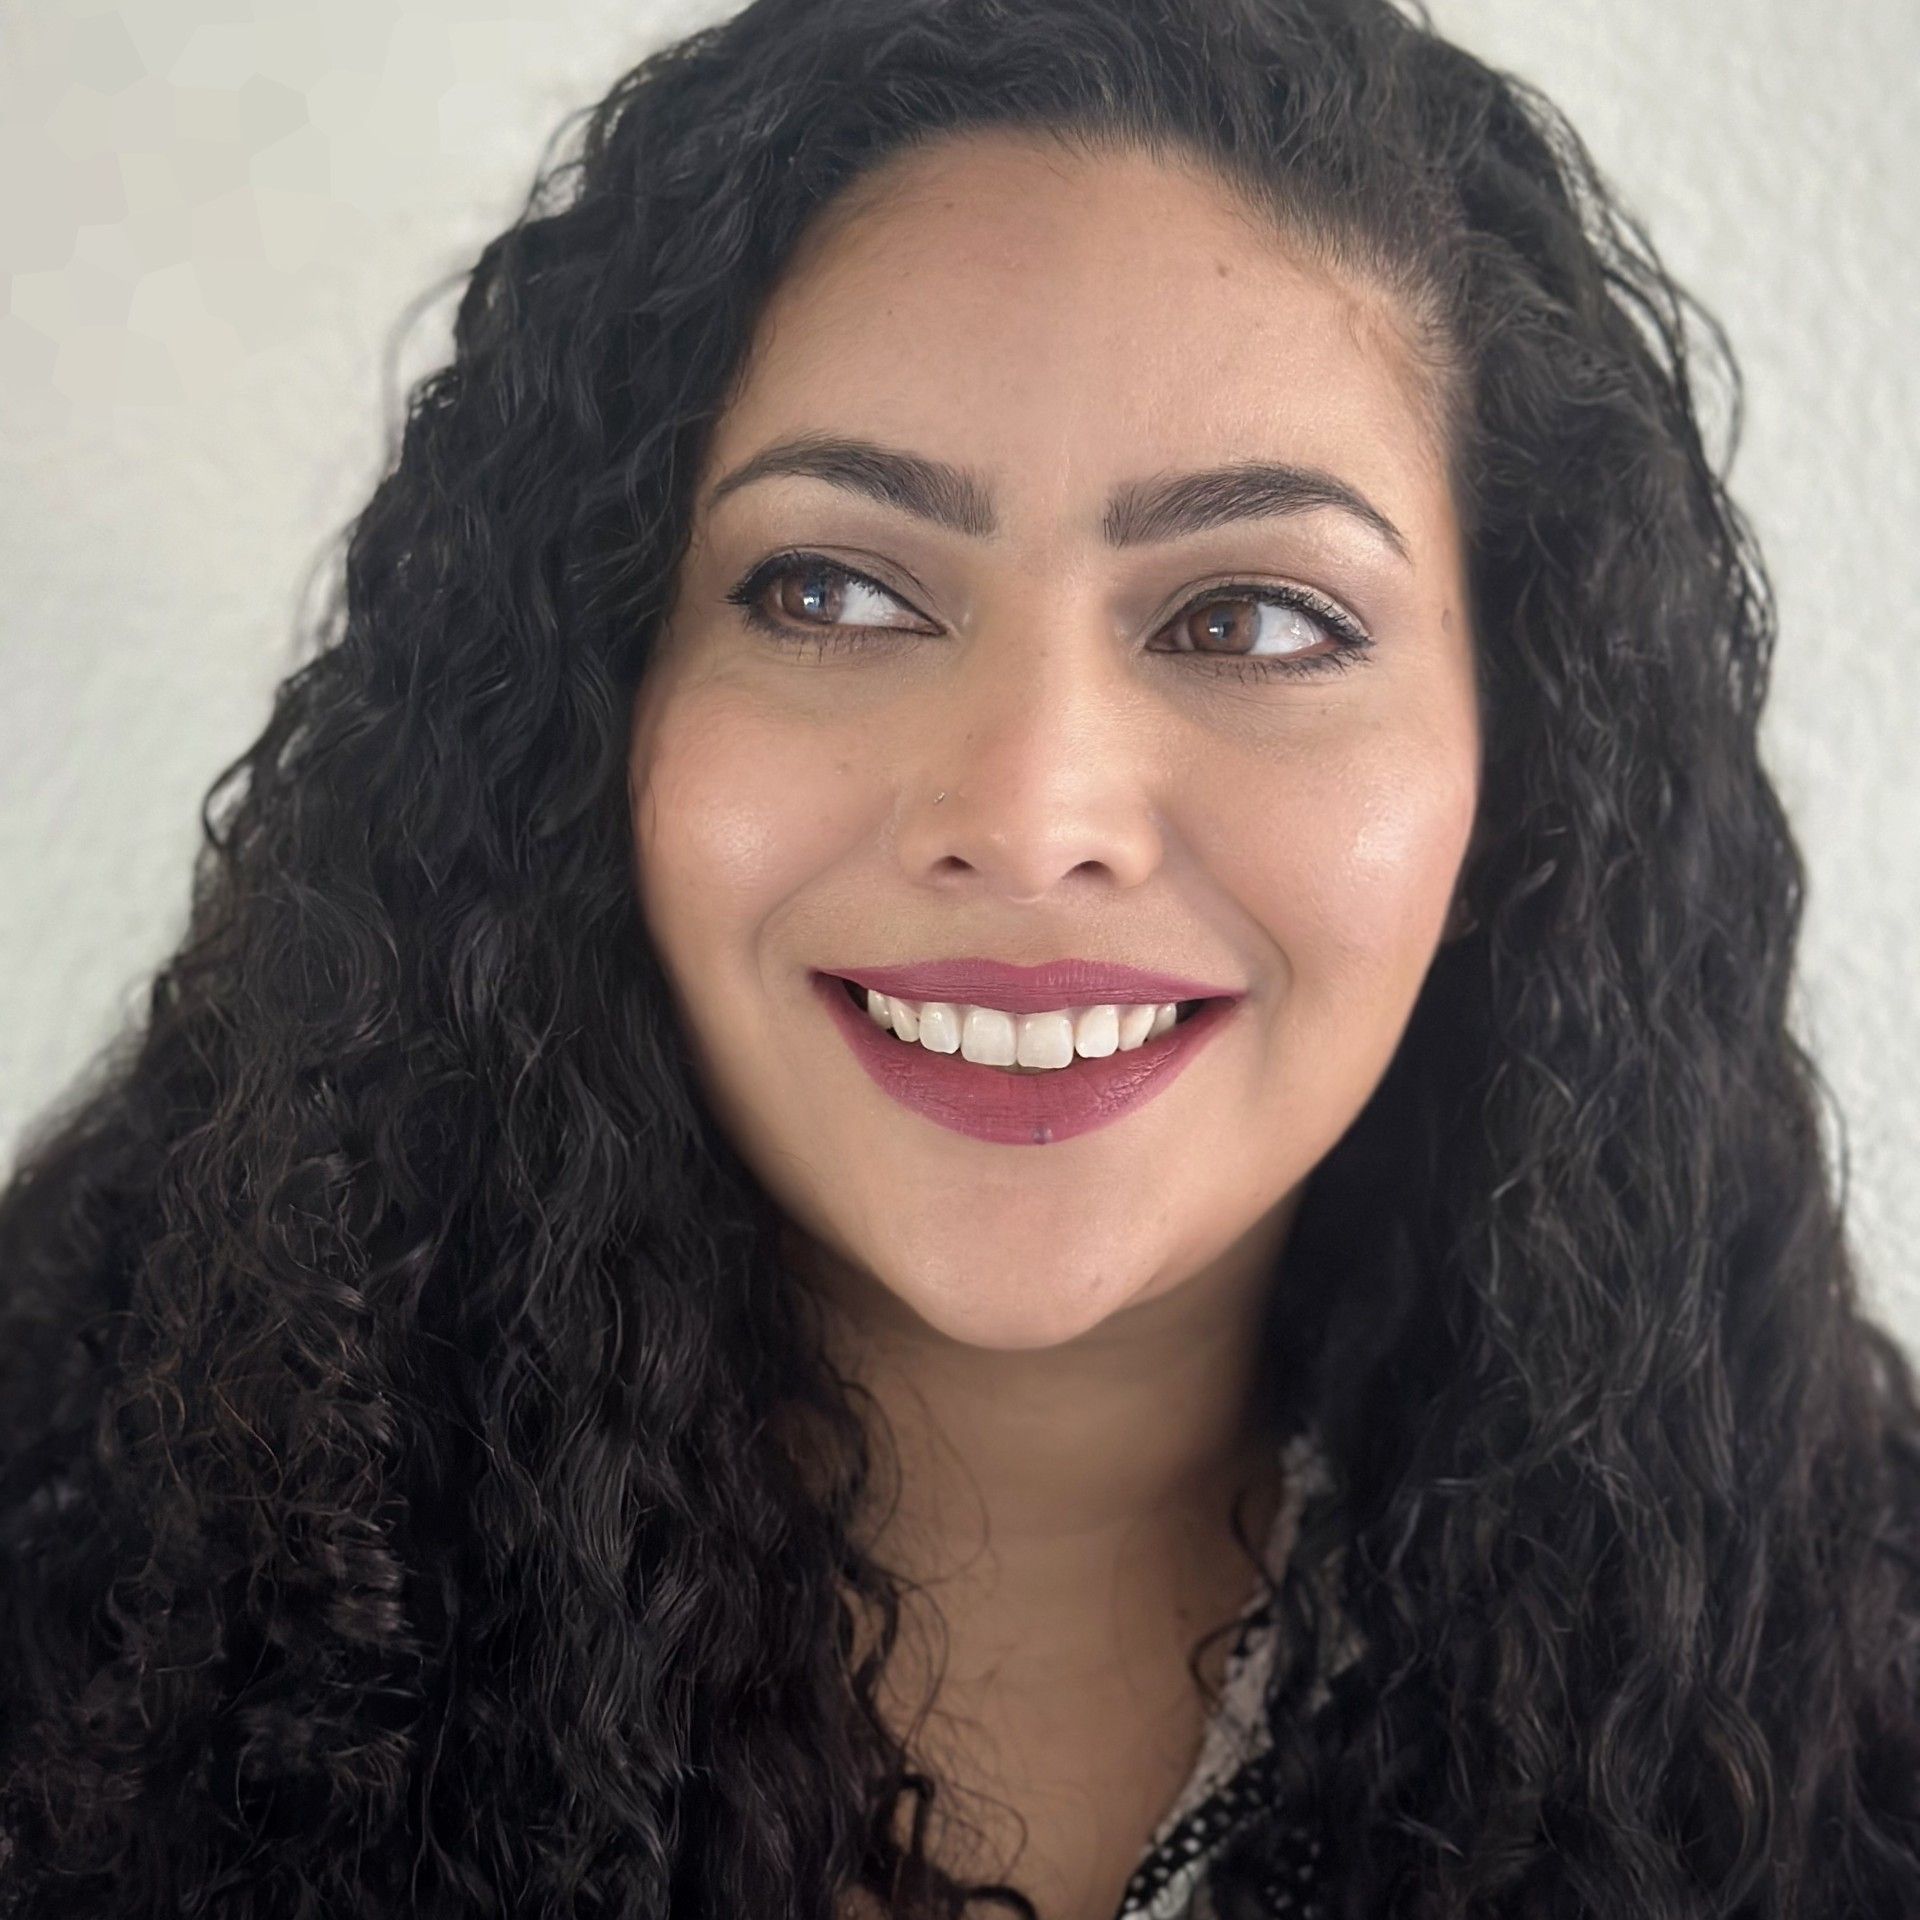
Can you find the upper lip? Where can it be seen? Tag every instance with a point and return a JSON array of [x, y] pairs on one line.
[[1015, 989]]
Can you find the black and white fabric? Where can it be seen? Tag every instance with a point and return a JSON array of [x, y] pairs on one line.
[[1232, 1777]]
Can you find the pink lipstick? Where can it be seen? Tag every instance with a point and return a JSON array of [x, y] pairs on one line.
[[1022, 1109], [1060, 983]]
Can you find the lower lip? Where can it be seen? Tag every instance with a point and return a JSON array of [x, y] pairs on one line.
[[1018, 1109]]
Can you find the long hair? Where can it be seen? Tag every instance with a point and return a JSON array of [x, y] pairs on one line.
[[398, 1372]]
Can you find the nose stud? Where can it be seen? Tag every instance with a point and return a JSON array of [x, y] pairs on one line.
[[938, 797]]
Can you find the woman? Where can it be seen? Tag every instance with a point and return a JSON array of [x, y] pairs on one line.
[[984, 1104]]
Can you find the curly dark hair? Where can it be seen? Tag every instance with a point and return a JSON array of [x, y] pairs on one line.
[[400, 1507]]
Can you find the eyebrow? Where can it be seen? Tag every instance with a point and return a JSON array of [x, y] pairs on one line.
[[1140, 512]]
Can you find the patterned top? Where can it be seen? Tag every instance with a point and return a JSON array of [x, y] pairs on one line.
[[1232, 1777]]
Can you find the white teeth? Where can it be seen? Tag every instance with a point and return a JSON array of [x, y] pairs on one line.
[[1035, 1041], [1044, 1040], [939, 1026], [1096, 1032], [987, 1037]]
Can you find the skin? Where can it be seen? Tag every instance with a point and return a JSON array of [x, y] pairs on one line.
[[1060, 1337]]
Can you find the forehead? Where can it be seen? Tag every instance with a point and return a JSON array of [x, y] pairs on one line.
[[1062, 321]]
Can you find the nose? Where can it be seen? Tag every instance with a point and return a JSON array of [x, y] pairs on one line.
[[1036, 767]]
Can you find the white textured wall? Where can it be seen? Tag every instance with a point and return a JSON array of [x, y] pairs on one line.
[[212, 216]]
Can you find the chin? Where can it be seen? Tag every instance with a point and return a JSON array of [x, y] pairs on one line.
[[1019, 1328], [1004, 1305]]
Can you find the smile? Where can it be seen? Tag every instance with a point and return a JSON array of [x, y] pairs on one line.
[[1027, 1079]]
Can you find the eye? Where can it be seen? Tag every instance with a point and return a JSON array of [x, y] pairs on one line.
[[814, 598], [1267, 630], [1252, 631]]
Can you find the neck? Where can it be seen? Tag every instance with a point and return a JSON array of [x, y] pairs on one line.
[[1036, 1486]]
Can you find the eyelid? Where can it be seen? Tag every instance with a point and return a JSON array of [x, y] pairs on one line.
[[754, 582], [1335, 615]]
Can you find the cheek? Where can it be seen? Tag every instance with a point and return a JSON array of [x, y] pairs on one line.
[[1352, 864], [732, 810]]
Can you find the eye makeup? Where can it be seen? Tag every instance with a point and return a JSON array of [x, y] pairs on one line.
[[1345, 641]]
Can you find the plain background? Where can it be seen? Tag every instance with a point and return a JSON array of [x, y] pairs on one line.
[[213, 218]]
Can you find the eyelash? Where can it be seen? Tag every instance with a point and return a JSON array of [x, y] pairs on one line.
[[1350, 642]]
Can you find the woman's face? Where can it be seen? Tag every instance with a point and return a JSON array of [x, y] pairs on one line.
[[1041, 730]]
